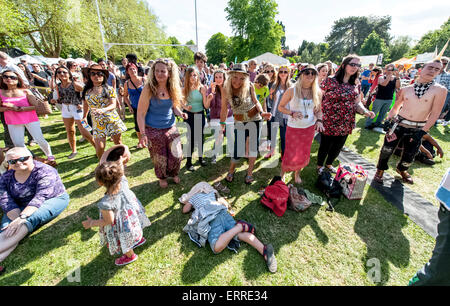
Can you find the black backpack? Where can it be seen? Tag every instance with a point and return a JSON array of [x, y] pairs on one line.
[[330, 187]]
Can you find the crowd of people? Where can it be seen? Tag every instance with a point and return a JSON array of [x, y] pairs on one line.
[[242, 102]]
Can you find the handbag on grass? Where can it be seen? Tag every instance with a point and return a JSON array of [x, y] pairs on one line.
[[353, 179], [42, 106]]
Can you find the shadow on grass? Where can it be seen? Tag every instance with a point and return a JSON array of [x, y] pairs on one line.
[[43, 241], [380, 227], [282, 230]]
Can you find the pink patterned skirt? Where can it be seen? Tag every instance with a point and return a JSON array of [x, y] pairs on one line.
[[298, 148]]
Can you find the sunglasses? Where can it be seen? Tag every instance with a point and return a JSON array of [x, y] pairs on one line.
[[98, 73], [270, 71], [20, 159], [63, 72], [309, 72], [354, 65], [11, 77], [284, 71]]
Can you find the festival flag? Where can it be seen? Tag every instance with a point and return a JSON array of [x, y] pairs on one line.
[[442, 51]]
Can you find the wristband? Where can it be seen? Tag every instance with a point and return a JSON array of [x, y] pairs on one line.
[[319, 120], [223, 123]]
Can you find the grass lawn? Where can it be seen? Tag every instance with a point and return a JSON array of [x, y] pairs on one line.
[[312, 248]]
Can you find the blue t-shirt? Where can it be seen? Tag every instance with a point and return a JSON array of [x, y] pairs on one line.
[[366, 73]]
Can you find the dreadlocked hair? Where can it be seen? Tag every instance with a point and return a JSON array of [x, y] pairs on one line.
[[109, 174]]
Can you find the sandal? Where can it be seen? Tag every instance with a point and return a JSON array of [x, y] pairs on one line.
[[249, 179], [378, 177], [230, 177], [246, 227], [406, 177]]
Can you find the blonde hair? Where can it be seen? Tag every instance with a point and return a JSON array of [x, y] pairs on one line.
[[244, 91], [315, 91], [173, 82], [187, 81], [22, 151]]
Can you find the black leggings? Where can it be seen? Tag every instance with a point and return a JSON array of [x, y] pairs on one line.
[[330, 146], [193, 121]]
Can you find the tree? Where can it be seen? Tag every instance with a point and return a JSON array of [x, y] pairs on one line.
[[217, 48], [432, 40], [348, 34], [253, 24], [11, 26], [283, 38], [374, 45], [67, 27], [400, 47]]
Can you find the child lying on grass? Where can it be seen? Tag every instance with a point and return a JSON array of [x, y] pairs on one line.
[[223, 231]]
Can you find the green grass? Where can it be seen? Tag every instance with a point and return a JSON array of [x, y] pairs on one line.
[[312, 248]]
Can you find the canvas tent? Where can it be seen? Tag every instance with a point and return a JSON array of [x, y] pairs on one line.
[[425, 57], [271, 58], [368, 59]]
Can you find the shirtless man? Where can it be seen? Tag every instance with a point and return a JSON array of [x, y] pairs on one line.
[[416, 109]]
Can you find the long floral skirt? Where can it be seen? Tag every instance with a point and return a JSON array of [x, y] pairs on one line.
[[165, 151]]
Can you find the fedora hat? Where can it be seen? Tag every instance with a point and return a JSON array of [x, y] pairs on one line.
[[94, 67], [238, 68]]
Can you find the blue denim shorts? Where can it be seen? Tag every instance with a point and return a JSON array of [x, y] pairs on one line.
[[49, 210], [222, 223]]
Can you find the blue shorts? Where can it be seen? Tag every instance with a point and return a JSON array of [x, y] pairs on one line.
[[222, 223]]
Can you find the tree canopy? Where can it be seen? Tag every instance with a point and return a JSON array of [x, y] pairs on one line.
[[217, 48], [254, 26], [432, 40], [348, 34]]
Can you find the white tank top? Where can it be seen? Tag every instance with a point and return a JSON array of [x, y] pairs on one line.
[[306, 107]]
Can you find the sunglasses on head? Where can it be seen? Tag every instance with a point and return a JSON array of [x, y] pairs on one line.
[[20, 159], [11, 77], [97, 73], [354, 65]]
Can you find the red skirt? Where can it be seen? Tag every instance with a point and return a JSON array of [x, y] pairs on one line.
[[298, 148]]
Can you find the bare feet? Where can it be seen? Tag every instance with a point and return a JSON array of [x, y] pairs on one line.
[[163, 183], [298, 180], [176, 179]]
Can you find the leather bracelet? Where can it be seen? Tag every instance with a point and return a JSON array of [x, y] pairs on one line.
[[319, 120]]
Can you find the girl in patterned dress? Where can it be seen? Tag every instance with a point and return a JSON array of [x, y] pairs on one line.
[[122, 216], [101, 100]]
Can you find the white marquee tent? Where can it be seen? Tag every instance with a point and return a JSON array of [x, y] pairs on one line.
[[271, 58]]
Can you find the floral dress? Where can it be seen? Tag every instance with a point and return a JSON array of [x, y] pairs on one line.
[[338, 106], [129, 220], [108, 123]]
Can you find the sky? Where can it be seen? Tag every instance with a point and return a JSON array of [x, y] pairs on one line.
[[304, 20]]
